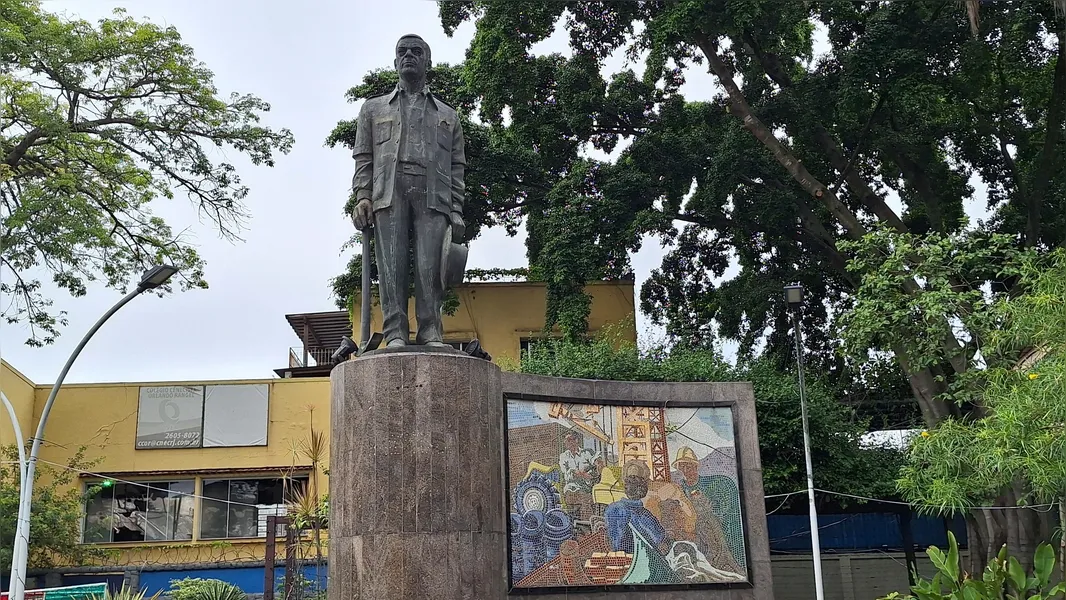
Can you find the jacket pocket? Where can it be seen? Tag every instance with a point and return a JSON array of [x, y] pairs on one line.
[[382, 131], [444, 135]]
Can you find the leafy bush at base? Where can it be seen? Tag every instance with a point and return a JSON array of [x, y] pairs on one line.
[[204, 589], [1004, 579]]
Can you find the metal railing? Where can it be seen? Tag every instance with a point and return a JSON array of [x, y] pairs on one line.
[[315, 357]]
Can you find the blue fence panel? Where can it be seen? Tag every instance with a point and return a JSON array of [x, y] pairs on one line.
[[859, 531], [249, 579]]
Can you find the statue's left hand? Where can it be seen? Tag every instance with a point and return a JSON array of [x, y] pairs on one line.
[[458, 227]]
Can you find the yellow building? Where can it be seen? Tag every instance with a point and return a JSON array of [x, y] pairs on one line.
[[186, 472], [504, 317]]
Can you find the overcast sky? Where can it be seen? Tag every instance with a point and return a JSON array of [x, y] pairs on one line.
[[301, 60]]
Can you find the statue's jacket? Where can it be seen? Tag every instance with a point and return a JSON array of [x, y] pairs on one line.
[[376, 153]]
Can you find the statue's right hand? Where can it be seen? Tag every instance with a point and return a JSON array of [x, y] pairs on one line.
[[363, 216]]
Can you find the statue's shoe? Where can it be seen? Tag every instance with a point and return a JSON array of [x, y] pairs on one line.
[[396, 343]]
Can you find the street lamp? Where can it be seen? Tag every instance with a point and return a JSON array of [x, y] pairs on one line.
[[152, 279], [794, 298]]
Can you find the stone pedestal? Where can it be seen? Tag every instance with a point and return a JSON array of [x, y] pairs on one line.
[[416, 479]]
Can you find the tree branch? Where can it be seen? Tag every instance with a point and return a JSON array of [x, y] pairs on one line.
[[862, 138], [739, 106], [771, 63], [1046, 166]]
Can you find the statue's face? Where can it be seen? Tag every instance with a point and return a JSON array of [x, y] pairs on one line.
[[412, 59]]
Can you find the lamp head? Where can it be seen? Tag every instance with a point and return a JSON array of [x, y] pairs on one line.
[[474, 349], [347, 348], [794, 296], [156, 276]]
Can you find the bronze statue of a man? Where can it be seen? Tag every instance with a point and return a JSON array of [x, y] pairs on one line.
[[409, 166]]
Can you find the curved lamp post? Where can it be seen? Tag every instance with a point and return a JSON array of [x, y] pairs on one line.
[[22, 475], [152, 279], [794, 298]]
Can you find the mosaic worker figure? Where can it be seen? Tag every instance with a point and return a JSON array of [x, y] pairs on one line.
[[578, 466], [715, 498], [409, 165], [629, 512]]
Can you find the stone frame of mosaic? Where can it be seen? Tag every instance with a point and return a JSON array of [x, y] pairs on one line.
[[650, 567]]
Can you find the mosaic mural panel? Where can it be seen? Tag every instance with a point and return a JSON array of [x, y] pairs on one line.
[[605, 495]]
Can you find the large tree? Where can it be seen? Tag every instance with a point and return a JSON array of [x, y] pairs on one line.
[[882, 132], [1015, 436], [98, 121]]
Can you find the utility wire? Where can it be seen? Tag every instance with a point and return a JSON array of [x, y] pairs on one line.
[[1039, 507]]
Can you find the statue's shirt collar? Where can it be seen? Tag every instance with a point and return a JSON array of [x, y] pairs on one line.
[[425, 91]]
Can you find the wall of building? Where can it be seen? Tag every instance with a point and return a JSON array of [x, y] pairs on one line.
[[500, 315], [21, 393], [102, 418]]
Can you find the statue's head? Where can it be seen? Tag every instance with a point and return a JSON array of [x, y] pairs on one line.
[[413, 57]]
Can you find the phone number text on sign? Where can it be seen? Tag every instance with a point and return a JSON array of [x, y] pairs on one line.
[[180, 439]]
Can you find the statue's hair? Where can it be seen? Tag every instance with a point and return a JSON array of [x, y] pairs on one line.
[[425, 45]]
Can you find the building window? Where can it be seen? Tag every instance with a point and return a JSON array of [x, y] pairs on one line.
[[150, 511], [537, 345], [238, 508]]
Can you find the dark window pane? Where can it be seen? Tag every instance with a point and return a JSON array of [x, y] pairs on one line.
[[170, 506], [98, 511], [243, 494], [180, 508], [130, 512], [157, 524], [235, 512], [213, 511], [271, 491], [142, 511], [217, 489]]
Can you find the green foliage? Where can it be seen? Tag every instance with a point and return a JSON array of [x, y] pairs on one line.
[[1018, 436], [931, 299], [100, 121], [1003, 579], [304, 588], [55, 524], [879, 113], [204, 589], [128, 593], [840, 460], [483, 275]]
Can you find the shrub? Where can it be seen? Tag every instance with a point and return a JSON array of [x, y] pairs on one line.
[[1003, 579], [204, 589]]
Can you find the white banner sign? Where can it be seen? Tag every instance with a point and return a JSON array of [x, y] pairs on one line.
[[170, 417], [236, 415]]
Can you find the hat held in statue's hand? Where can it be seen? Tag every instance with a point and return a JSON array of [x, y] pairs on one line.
[[452, 261]]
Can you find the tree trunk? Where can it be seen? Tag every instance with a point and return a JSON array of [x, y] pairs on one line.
[[1020, 529], [1062, 536]]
